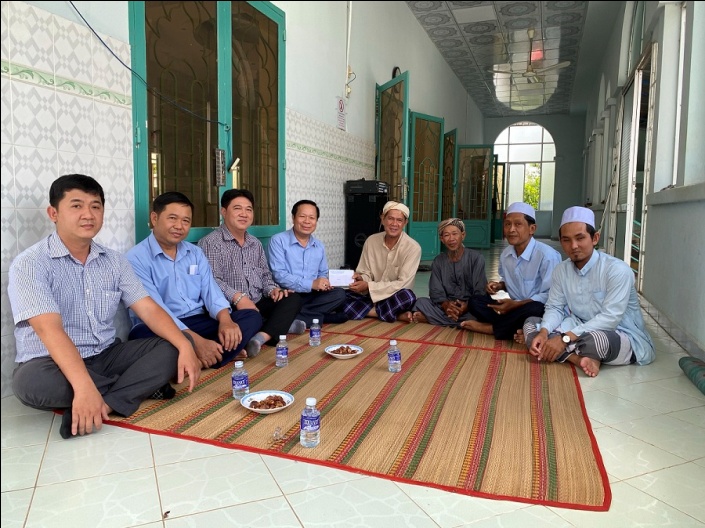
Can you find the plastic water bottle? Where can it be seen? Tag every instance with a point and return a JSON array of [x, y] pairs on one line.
[[282, 352], [310, 435], [394, 356], [314, 338], [241, 382]]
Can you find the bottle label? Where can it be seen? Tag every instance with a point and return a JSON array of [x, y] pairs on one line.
[[394, 355], [310, 423], [315, 333], [282, 352], [241, 381]]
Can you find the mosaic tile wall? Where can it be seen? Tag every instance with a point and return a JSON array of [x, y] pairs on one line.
[[66, 107]]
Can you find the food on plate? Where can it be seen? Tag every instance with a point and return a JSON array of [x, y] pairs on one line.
[[273, 401], [344, 350]]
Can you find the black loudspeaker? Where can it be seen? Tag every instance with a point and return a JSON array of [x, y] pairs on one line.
[[364, 201]]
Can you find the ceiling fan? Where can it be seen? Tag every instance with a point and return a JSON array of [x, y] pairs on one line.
[[532, 73]]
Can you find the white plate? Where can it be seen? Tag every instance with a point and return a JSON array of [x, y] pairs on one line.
[[261, 395], [330, 351]]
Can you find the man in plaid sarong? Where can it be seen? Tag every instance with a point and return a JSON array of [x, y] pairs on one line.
[[386, 271]]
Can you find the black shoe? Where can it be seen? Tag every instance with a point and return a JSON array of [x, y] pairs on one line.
[[335, 318], [166, 392], [65, 429]]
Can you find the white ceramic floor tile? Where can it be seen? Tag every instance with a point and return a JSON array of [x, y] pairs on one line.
[[682, 384], [11, 406], [625, 456], [205, 484], [111, 450], [668, 433], [654, 396], [694, 416], [369, 502], [118, 500], [293, 476], [630, 508], [15, 505], [453, 509], [26, 429], [168, 450], [610, 409], [682, 487], [527, 517], [265, 513], [20, 467]]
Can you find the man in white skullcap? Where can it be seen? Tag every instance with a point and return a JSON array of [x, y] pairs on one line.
[[525, 269], [457, 275], [386, 271], [592, 315]]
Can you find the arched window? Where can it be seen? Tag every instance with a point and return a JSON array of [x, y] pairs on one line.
[[528, 152]]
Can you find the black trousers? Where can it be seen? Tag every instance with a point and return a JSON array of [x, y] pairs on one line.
[[204, 325], [279, 315], [504, 326]]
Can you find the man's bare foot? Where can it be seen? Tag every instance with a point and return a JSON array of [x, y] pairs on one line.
[[242, 354], [590, 366], [406, 317], [419, 317], [476, 326], [519, 337]]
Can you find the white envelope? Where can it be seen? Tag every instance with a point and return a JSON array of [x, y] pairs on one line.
[[501, 294], [340, 278]]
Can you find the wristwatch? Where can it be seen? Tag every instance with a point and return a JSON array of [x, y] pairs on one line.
[[565, 338]]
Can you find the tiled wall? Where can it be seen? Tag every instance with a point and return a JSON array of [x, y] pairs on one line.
[[66, 107]]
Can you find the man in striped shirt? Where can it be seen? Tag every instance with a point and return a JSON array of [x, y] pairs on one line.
[[64, 292]]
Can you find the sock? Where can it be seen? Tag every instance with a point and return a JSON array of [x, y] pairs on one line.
[[297, 327], [254, 346], [65, 429]]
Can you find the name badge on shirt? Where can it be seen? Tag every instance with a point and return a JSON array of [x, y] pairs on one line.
[[193, 269]]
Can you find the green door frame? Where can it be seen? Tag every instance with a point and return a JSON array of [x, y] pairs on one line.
[[138, 45], [425, 233]]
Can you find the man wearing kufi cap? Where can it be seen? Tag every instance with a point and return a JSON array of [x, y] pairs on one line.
[[386, 271], [457, 275], [525, 268], [592, 314]]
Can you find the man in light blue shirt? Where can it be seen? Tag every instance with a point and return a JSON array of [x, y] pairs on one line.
[[525, 269], [178, 276], [298, 262], [592, 314]]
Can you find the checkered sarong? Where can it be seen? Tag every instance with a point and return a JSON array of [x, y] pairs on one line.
[[357, 306]]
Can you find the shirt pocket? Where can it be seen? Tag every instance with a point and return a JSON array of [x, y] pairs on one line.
[[107, 303]]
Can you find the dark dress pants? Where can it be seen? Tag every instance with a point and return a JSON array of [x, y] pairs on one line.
[[204, 325], [504, 326]]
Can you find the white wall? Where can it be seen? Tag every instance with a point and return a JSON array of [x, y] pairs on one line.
[[383, 35], [673, 282]]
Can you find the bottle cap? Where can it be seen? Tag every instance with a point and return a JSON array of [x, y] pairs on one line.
[[315, 321], [393, 342], [310, 402], [282, 337], [239, 364]]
